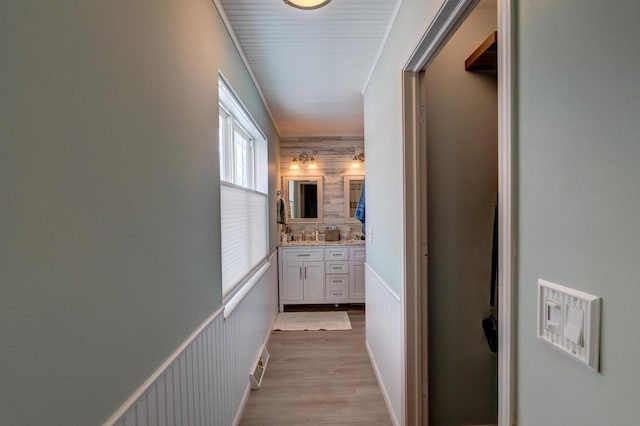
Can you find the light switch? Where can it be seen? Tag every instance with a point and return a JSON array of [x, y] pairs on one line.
[[569, 320], [553, 315], [575, 325]]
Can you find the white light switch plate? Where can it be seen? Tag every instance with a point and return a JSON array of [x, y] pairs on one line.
[[578, 331]]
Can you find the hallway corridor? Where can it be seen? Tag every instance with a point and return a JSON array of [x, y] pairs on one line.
[[318, 378]]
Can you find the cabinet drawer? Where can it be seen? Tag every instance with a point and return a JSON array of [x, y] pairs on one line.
[[335, 295], [337, 288], [339, 267], [304, 254], [337, 282], [338, 253], [357, 253]]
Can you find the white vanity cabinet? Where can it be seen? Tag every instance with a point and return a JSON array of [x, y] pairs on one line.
[[357, 257], [321, 274], [337, 275], [302, 280], [302, 275]]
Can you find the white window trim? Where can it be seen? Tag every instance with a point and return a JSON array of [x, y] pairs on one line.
[[228, 97], [234, 116]]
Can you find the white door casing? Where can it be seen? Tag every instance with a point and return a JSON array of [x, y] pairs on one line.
[[450, 15]]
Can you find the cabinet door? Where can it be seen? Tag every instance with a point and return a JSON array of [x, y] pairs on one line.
[[292, 277], [356, 281], [313, 281]]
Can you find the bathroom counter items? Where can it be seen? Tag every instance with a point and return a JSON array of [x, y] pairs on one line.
[[321, 272], [359, 243]]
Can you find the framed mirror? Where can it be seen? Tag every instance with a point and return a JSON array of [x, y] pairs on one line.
[[303, 195], [352, 188]]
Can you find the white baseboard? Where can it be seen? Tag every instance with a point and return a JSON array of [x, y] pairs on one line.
[[383, 389]]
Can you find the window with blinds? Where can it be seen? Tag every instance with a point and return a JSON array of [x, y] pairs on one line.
[[243, 191], [244, 233]]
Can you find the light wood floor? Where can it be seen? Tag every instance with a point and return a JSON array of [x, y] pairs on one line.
[[318, 378]]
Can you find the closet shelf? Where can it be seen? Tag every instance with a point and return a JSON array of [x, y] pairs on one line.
[[485, 57]]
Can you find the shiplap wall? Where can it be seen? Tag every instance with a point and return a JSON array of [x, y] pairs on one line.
[[384, 340], [208, 383], [334, 156]]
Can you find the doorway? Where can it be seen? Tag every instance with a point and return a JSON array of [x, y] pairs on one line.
[[461, 229]]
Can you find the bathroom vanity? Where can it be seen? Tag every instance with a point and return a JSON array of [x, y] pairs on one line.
[[321, 272]]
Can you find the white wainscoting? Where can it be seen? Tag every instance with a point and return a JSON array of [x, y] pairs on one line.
[[207, 383], [384, 340]]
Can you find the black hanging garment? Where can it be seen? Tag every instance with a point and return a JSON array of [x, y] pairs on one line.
[[281, 212], [490, 323]]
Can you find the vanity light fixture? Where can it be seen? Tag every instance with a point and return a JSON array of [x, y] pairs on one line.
[[358, 161], [303, 160], [307, 4], [295, 164]]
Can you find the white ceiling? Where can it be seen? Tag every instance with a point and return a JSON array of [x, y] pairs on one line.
[[312, 64]]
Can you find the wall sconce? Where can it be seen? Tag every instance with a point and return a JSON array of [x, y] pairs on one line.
[[358, 161], [303, 160]]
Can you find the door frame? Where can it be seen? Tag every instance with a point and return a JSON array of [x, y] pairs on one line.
[[446, 21]]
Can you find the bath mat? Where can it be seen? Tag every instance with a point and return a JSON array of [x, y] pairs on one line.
[[298, 321]]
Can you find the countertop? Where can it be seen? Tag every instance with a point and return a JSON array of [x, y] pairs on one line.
[[322, 243]]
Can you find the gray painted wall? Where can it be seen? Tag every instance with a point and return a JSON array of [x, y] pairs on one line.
[[579, 202], [462, 171], [110, 254], [383, 143], [577, 192]]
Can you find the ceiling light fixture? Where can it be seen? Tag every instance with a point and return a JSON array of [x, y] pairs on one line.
[[303, 160], [307, 4]]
